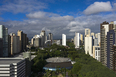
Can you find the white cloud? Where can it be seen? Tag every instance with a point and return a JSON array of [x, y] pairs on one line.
[[98, 7], [21, 6], [58, 24], [41, 14]]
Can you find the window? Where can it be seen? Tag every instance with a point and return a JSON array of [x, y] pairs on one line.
[[96, 53], [95, 48]]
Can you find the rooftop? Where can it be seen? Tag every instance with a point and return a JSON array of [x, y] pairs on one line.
[[60, 64], [58, 59], [9, 60]]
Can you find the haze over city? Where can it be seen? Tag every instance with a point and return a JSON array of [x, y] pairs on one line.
[[56, 16]]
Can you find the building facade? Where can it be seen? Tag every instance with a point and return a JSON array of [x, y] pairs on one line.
[[104, 28], [63, 39], [88, 45], [1, 46], [110, 42], [77, 40], [12, 67], [43, 38], [96, 52], [15, 44], [20, 34], [4, 36], [87, 32]]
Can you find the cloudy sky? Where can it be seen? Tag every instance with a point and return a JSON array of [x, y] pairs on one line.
[[56, 16]]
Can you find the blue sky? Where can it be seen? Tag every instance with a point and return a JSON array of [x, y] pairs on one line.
[[56, 16]]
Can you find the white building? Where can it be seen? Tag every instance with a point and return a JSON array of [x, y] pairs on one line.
[[63, 39], [88, 42], [88, 45], [98, 38], [77, 40], [96, 52]]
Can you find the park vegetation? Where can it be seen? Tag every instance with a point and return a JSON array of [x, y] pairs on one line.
[[85, 65]]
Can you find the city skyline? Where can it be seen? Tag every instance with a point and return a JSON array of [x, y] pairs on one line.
[[57, 17]]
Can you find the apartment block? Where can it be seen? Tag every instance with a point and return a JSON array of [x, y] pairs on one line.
[[20, 34], [111, 40], [104, 28], [77, 40], [12, 67], [15, 44]]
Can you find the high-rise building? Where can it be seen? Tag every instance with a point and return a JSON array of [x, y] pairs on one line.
[[81, 39], [63, 39], [20, 34], [77, 40], [43, 38], [114, 58], [15, 44], [88, 45], [88, 42], [93, 34], [9, 45], [111, 40], [37, 41], [32, 41], [98, 35], [24, 41], [4, 36], [96, 42], [1, 46], [50, 36], [87, 32], [104, 28]]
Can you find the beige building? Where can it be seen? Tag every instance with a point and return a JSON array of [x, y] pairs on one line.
[[20, 34], [81, 38], [92, 34], [23, 40], [32, 41], [96, 52], [87, 32], [15, 44]]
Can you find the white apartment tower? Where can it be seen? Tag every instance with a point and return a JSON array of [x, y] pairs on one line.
[[77, 40], [63, 39], [88, 44]]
